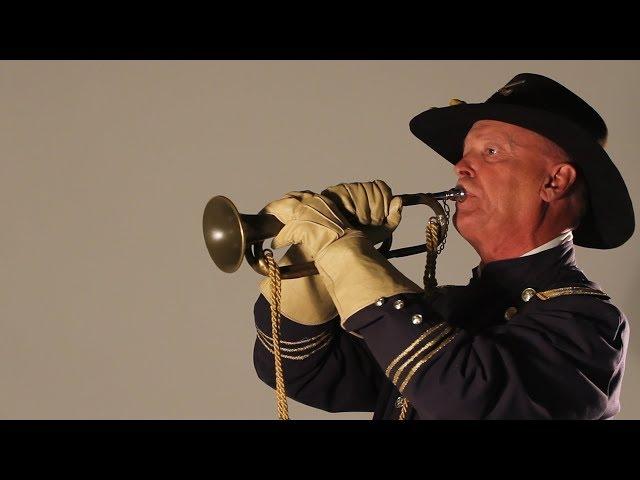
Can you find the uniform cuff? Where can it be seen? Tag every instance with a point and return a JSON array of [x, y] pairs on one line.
[[297, 341], [403, 333]]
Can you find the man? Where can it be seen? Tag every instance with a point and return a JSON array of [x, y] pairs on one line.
[[530, 337]]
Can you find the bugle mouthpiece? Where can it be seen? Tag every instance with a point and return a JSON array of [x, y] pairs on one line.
[[456, 194]]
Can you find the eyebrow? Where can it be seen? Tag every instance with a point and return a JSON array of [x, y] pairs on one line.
[[512, 141], [502, 138]]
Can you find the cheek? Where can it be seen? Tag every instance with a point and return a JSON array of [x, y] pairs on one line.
[[519, 193], [502, 193]]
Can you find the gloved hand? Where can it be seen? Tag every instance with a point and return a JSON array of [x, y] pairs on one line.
[[304, 300], [353, 271], [369, 206], [372, 206], [309, 219]]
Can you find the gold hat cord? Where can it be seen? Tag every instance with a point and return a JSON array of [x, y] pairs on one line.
[[433, 232]]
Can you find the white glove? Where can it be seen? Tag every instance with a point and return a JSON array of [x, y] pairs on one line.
[[369, 206]]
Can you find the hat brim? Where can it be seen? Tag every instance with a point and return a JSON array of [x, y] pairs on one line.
[[609, 220]]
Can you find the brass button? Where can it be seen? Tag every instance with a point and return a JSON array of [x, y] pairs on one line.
[[528, 294], [398, 304], [416, 319], [510, 312], [380, 301]]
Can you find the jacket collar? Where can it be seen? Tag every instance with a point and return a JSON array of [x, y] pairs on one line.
[[511, 276]]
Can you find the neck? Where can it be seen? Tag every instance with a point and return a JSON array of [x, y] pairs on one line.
[[514, 245]]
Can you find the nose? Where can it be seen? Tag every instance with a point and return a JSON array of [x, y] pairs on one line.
[[464, 167]]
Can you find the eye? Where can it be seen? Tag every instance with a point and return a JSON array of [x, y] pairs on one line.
[[491, 150]]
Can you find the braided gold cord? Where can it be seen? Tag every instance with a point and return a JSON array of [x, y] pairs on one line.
[[432, 239], [274, 276], [405, 407]]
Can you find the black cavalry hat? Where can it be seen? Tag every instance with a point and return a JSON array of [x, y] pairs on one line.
[[543, 105]]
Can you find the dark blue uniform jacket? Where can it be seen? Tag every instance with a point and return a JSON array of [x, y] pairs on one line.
[[478, 351]]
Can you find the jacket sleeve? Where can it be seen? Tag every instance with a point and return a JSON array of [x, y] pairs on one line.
[[562, 358], [324, 366]]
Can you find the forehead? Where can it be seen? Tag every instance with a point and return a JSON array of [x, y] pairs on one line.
[[518, 138], [506, 131]]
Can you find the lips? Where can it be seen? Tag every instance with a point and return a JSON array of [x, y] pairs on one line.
[[468, 192]]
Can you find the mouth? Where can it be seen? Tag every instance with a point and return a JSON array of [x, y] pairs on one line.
[[467, 192]]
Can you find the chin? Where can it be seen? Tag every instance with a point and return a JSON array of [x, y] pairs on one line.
[[464, 226]]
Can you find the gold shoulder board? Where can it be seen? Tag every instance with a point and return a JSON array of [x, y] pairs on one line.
[[529, 293]]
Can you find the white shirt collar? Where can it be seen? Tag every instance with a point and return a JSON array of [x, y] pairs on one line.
[[563, 237]]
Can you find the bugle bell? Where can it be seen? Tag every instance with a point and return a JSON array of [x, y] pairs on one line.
[[231, 236]]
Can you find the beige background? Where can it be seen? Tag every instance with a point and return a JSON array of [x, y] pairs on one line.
[[110, 306]]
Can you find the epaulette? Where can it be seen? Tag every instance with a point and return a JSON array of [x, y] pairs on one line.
[[529, 293]]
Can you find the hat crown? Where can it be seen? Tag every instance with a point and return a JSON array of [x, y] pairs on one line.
[[537, 91]]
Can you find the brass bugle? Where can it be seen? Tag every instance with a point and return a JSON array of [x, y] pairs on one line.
[[231, 236]]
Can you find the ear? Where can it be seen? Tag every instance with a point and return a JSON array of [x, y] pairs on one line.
[[558, 182]]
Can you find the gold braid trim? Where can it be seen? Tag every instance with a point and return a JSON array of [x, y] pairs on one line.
[[448, 336], [274, 276], [296, 342], [412, 346], [269, 346], [265, 339], [424, 360], [405, 408], [427, 347], [293, 357], [558, 292]]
